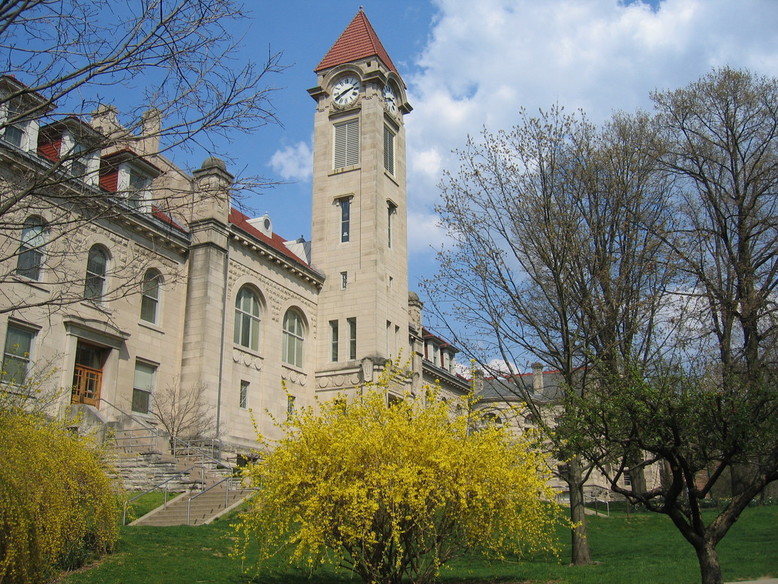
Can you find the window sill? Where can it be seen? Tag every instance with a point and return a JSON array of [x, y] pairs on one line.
[[37, 284], [351, 168], [97, 305], [247, 350], [293, 368], [151, 326]]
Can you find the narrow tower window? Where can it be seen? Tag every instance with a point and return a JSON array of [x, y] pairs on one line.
[[391, 211], [243, 396], [389, 149], [352, 338], [345, 219]]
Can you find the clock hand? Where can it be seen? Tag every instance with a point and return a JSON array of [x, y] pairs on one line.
[[345, 89]]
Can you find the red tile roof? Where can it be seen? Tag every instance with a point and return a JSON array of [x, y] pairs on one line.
[[165, 218], [241, 221], [358, 41]]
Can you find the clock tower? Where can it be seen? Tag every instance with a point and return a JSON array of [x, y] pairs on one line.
[[359, 222]]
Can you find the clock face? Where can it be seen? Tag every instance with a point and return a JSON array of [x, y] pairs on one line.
[[346, 90], [390, 99]]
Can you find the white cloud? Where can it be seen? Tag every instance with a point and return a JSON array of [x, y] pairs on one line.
[[294, 162], [424, 233], [485, 60]]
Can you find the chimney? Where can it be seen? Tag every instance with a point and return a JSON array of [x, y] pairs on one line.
[[537, 377], [151, 125], [105, 120]]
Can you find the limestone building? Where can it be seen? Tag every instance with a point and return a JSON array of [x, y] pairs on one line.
[[127, 280]]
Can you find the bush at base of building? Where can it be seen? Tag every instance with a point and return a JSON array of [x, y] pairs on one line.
[[393, 492], [57, 505]]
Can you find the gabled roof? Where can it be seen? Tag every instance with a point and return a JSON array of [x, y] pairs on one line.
[[276, 242], [440, 341], [517, 387], [129, 155], [358, 41]]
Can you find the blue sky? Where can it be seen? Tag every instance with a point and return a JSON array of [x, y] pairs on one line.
[[469, 64]]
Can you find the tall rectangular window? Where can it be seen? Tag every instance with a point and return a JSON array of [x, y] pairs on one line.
[[143, 386], [29, 260], [138, 192], [16, 355], [243, 396], [343, 280], [391, 211], [346, 144], [78, 165], [13, 133], [345, 219], [389, 149], [334, 342], [352, 338], [290, 399]]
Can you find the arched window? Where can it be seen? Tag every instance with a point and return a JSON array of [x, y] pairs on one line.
[[96, 268], [30, 259], [149, 302], [294, 336], [247, 319]]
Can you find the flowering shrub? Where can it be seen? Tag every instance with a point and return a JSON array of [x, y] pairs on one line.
[[57, 506], [393, 491]]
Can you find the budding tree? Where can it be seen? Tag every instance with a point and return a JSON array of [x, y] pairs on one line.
[[706, 411]]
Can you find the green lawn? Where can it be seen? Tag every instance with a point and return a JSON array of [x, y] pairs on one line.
[[639, 545]]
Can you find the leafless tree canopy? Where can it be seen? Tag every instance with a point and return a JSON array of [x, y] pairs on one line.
[[130, 80], [183, 414], [177, 56]]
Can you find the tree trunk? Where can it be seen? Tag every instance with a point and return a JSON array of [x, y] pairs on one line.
[[581, 554], [708, 558]]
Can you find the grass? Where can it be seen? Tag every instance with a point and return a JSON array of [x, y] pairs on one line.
[[623, 546]]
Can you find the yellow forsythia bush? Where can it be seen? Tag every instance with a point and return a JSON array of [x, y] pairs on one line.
[[393, 492], [57, 505]]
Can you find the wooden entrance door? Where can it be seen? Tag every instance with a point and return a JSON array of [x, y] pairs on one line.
[[88, 374]]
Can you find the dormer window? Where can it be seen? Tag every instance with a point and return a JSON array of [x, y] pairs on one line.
[[130, 177], [79, 165], [74, 145], [16, 130], [13, 133], [139, 190], [20, 109]]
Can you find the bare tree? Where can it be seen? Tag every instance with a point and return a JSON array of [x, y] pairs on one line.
[[551, 258], [183, 413], [171, 65]]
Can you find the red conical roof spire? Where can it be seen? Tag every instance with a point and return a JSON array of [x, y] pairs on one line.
[[358, 41]]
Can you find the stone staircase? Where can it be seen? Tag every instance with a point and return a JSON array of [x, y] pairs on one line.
[[197, 508], [141, 460]]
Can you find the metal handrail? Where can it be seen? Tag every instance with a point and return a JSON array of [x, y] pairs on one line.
[[147, 491], [228, 480]]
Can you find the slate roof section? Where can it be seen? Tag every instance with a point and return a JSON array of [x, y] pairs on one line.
[[358, 41], [509, 389], [276, 242]]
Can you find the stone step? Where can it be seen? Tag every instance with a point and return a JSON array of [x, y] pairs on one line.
[[202, 509]]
